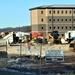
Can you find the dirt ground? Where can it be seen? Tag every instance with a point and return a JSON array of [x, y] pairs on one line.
[[69, 56], [35, 50]]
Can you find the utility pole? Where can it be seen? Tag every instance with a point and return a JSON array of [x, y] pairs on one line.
[[40, 58], [20, 54], [20, 37], [6, 52]]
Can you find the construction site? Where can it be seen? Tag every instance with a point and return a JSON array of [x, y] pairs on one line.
[[32, 54]]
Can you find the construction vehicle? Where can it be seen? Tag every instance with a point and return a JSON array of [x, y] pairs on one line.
[[53, 37], [34, 36], [63, 41], [38, 37], [26, 38], [72, 45], [16, 37], [69, 36]]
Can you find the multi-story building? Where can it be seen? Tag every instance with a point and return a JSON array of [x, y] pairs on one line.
[[50, 18]]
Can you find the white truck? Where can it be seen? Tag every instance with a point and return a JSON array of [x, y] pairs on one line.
[[69, 36]]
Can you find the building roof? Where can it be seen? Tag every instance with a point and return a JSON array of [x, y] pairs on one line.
[[54, 6]]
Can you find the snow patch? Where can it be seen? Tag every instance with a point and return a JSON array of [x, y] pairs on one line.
[[9, 70]]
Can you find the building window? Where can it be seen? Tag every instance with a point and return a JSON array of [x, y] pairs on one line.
[[73, 19], [70, 12], [41, 20], [74, 12], [50, 27], [69, 19], [74, 27], [66, 12], [62, 27], [62, 12], [49, 12], [41, 27], [66, 27], [70, 27], [58, 12], [65, 19], [54, 27], [53, 19], [58, 27], [54, 12], [49, 19], [61, 19], [41, 12], [62, 34], [57, 19]]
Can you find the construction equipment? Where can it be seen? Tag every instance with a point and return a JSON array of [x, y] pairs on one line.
[[38, 37], [53, 37], [70, 36], [72, 45], [63, 41], [25, 38], [50, 39]]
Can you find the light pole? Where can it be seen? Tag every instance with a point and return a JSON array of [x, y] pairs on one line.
[[6, 52], [40, 55], [20, 40], [20, 54]]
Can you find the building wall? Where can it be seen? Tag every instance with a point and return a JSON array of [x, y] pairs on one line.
[[48, 20], [34, 17]]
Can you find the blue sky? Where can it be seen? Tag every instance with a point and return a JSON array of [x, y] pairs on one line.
[[15, 13]]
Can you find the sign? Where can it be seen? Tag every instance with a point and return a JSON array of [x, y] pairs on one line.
[[54, 55]]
